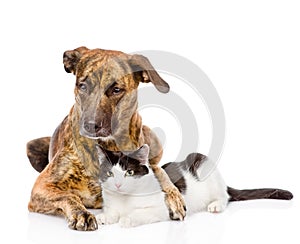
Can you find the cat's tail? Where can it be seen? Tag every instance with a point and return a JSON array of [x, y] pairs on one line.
[[252, 194]]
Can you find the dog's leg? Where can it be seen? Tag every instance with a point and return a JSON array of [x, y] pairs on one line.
[[173, 198], [55, 201], [38, 152], [63, 188]]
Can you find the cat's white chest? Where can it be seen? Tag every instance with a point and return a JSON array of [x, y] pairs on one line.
[[125, 204]]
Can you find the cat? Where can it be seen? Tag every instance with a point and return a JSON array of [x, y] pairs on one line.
[[132, 195]]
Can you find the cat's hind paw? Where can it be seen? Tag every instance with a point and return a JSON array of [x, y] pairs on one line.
[[216, 206], [107, 218]]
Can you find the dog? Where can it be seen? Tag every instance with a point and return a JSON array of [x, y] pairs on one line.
[[104, 114]]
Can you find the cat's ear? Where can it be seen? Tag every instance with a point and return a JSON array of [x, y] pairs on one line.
[[101, 155], [142, 154]]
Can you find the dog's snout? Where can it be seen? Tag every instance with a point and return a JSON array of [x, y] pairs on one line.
[[91, 127]]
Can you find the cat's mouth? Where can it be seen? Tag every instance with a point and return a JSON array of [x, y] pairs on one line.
[[114, 189]]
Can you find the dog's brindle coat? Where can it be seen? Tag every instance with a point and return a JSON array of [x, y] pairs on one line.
[[105, 114]]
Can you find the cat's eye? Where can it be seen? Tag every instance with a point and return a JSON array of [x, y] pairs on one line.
[[109, 173], [129, 172]]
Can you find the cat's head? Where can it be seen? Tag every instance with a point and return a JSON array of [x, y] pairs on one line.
[[121, 172]]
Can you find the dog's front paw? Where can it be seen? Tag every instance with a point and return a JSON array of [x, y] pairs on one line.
[[107, 218], [82, 220], [175, 204]]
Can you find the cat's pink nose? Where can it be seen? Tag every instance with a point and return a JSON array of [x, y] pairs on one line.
[[118, 185]]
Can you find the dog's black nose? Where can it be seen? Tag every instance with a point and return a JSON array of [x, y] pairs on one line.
[[91, 127]]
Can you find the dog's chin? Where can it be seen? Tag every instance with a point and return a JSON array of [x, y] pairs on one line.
[[102, 134]]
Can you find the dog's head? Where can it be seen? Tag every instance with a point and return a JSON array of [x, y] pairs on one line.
[[106, 88]]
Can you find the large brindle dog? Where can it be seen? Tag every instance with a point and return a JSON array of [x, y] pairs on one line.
[[105, 114]]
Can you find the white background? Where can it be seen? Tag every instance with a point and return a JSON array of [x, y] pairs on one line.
[[250, 51]]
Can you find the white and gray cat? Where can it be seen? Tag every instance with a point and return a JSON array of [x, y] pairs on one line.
[[132, 195]]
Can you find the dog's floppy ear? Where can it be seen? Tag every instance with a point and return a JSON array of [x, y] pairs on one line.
[[72, 57], [140, 64]]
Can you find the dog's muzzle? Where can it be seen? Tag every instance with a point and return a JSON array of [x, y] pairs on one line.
[[93, 130]]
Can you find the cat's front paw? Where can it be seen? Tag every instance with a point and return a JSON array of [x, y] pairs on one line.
[[107, 218], [126, 222], [175, 204]]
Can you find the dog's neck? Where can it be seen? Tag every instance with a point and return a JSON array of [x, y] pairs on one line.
[[129, 139], [81, 143]]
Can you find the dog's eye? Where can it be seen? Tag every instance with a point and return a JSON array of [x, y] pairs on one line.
[[82, 87], [109, 173], [129, 172], [116, 90]]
